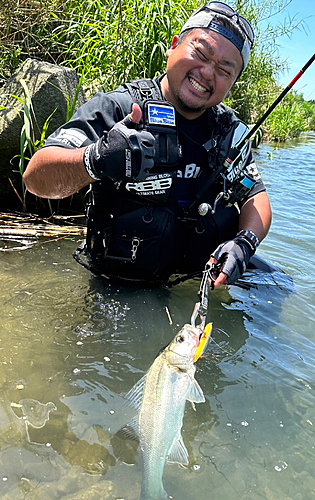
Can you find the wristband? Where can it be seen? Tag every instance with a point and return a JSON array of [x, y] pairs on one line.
[[250, 237], [87, 164]]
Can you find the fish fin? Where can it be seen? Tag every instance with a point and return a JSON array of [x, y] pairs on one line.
[[130, 430], [162, 495], [194, 393], [134, 396], [178, 453]]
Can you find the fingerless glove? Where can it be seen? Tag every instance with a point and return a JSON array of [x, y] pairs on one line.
[[123, 153], [234, 255]]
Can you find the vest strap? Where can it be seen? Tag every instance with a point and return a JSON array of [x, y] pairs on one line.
[[141, 90]]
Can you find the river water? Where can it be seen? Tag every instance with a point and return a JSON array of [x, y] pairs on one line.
[[72, 345]]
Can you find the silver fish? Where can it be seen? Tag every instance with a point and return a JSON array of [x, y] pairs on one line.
[[160, 397]]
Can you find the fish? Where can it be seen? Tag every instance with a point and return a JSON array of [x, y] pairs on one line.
[[160, 397]]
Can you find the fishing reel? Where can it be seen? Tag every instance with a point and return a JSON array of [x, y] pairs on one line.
[[228, 197], [237, 182]]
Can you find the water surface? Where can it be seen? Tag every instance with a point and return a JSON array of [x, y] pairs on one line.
[[72, 345]]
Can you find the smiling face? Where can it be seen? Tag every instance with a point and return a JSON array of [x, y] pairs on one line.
[[200, 71]]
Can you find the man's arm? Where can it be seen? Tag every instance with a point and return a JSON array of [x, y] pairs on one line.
[[255, 216], [56, 172]]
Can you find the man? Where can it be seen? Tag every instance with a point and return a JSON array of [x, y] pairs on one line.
[[143, 219]]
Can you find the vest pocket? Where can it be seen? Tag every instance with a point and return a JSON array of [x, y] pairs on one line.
[[138, 245]]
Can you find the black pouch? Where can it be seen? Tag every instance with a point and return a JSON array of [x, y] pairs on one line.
[[137, 245]]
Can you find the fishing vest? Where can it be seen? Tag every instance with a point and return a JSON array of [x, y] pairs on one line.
[[136, 230]]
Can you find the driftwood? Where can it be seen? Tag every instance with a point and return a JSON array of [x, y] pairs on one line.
[[31, 226]]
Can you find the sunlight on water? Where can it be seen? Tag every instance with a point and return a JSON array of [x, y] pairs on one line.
[[72, 346]]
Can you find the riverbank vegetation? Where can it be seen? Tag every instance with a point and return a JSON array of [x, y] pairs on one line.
[[111, 41]]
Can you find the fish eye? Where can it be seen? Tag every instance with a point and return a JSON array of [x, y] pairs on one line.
[[180, 339]]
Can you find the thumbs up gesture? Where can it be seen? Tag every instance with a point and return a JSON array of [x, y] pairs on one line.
[[123, 153]]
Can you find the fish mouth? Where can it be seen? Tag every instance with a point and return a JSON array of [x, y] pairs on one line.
[[196, 332]]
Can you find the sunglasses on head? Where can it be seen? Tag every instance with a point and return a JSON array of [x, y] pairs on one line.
[[226, 10]]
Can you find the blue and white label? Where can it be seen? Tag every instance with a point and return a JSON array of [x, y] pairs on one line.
[[159, 114]]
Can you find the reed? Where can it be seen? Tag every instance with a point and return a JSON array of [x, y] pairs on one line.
[[289, 119], [112, 41], [29, 143], [120, 40]]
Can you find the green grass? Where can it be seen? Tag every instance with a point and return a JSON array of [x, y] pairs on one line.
[[112, 41], [30, 130]]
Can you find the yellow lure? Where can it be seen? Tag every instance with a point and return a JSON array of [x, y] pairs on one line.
[[203, 342]]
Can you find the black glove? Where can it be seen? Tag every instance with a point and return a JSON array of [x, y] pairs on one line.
[[122, 153], [233, 256]]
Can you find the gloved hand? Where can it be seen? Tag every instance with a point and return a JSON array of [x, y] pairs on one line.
[[122, 153], [232, 257]]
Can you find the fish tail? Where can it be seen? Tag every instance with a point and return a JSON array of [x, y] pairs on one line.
[[154, 495]]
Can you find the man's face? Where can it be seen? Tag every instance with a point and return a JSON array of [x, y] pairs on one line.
[[200, 71]]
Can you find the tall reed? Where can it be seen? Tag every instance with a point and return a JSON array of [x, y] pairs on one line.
[[112, 41], [119, 40]]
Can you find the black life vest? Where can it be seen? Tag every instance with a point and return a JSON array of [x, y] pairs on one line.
[[137, 231]]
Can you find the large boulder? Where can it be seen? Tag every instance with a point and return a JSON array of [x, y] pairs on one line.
[[51, 87]]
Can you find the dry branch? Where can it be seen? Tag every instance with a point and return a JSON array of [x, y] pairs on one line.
[[32, 226]]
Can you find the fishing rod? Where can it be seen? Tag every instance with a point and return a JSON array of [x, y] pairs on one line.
[[236, 160], [237, 184], [276, 102]]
